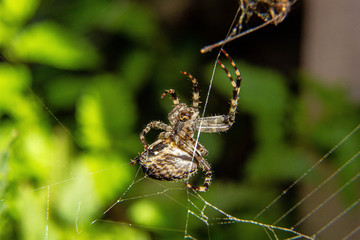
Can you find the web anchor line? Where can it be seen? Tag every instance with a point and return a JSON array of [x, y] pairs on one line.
[[308, 171], [354, 204], [318, 187], [354, 178], [352, 233]]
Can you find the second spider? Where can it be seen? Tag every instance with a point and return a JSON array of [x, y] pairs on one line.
[[176, 155]]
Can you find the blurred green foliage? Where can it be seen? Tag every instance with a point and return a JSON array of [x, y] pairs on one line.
[[71, 110]]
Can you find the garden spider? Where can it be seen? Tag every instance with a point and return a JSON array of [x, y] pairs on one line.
[[176, 154], [269, 11]]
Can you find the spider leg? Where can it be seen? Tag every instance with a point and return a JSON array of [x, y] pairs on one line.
[[199, 147], [154, 124], [134, 161], [238, 27], [236, 86], [183, 139], [196, 96], [223, 122], [173, 95], [208, 174], [188, 146], [213, 124]]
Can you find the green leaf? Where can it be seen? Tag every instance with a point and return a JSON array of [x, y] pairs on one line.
[[146, 212], [13, 14], [136, 68], [106, 113], [135, 21], [13, 79], [17, 11], [50, 44], [92, 126]]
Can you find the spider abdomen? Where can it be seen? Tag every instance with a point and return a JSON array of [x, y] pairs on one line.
[[165, 161]]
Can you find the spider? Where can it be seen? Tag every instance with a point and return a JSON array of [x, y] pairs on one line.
[[270, 11], [176, 155]]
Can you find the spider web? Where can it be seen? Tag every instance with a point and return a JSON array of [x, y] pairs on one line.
[[198, 210]]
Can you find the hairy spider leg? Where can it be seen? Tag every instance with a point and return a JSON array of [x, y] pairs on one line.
[[154, 124], [199, 147], [208, 175], [196, 95], [205, 166], [173, 95], [236, 86], [222, 123], [239, 26], [213, 124]]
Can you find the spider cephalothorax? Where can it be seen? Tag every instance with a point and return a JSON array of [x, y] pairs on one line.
[[183, 117], [176, 154]]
